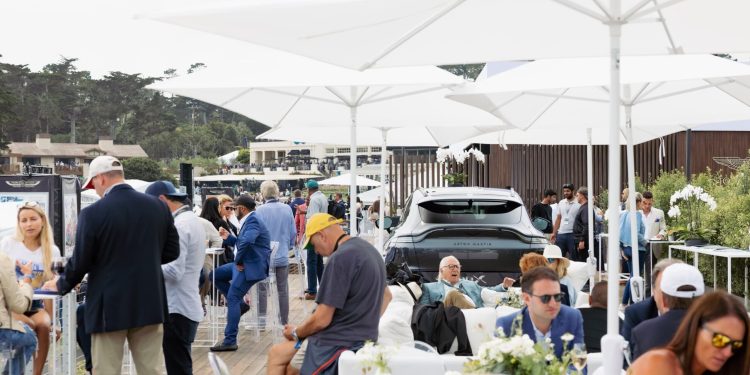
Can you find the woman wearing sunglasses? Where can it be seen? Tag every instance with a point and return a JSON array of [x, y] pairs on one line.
[[33, 246], [713, 338]]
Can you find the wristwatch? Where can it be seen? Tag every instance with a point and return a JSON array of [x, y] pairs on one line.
[[294, 335]]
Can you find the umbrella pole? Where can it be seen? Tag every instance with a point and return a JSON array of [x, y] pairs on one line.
[[612, 342], [353, 173], [636, 281], [590, 183], [381, 217]]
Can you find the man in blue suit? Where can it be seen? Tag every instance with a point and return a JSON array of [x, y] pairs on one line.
[[121, 242], [449, 280], [544, 316], [251, 262]]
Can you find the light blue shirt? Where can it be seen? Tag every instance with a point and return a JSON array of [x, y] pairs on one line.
[[541, 338], [181, 275], [278, 219], [625, 230]]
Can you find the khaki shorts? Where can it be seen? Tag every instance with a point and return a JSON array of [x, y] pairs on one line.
[[299, 357]]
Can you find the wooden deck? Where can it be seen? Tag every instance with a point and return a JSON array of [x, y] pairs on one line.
[[250, 358]]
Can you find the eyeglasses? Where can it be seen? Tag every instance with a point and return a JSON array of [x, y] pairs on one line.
[[28, 204], [721, 341], [453, 266], [547, 297]]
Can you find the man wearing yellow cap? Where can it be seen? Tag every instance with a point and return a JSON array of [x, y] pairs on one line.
[[350, 299]]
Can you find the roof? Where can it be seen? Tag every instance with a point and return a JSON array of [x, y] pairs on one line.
[[75, 150]]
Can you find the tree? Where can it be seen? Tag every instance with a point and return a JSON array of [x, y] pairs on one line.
[[243, 157], [468, 71], [144, 169]]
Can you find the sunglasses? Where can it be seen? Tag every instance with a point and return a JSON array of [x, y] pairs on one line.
[[230, 208], [547, 297], [453, 267], [28, 204], [721, 341]]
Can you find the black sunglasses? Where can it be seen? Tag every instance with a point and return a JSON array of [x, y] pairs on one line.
[[230, 208], [547, 297]]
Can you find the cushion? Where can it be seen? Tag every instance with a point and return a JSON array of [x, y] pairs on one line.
[[480, 325], [395, 324], [579, 274], [491, 298]]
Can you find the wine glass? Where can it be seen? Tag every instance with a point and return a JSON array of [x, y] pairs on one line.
[[578, 356], [58, 265]]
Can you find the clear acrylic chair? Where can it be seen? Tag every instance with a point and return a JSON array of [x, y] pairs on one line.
[[256, 319], [300, 259], [7, 365]]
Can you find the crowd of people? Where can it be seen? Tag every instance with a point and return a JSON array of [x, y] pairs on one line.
[[159, 299]]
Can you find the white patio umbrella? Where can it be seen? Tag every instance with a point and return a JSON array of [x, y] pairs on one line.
[[286, 91], [668, 91], [363, 34], [346, 179], [380, 136]]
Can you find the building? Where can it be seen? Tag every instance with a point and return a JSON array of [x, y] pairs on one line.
[[63, 158], [307, 156]]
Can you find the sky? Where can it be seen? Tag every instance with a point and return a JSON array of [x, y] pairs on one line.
[[106, 36]]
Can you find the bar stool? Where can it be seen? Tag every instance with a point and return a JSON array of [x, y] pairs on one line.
[[257, 321], [7, 353]]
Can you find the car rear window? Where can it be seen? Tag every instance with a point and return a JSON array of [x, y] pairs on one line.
[[470, 211]]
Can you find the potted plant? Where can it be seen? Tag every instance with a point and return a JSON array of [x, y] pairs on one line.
[[444, 155], [687, 206]]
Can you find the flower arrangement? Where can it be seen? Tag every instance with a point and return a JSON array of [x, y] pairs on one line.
[[687, 206], [374, 358], [444, 155], [519, 355]]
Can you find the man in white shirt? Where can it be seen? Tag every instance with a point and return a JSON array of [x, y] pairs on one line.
[[653, 218], [562, 234]]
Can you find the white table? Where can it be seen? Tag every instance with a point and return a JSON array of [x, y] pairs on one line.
[[717, 251], [68, 362]]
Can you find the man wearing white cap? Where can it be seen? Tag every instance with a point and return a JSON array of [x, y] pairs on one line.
[[121, 242], [680, 284]]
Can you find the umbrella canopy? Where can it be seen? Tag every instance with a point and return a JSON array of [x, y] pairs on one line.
[[361, 34], [664, 91], [345, 179], [372, 136], [287, 91], [372, 195]]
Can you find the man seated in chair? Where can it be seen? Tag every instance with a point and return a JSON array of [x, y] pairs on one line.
[[454, 291], [544, 317]]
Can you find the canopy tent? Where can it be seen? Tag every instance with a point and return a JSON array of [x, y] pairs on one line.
[[346, 178], [300, 93], [363, 34], [372, 195]]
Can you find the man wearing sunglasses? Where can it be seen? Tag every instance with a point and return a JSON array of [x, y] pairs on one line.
[[544, 316], [680, 285]]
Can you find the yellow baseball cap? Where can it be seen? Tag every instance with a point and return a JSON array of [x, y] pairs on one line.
[[317, 223]]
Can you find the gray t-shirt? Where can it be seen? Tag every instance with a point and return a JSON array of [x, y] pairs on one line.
[[353, 282]]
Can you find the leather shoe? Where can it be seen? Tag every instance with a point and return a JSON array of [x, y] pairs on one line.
[[244, 308], [224, 348], [310, 296]]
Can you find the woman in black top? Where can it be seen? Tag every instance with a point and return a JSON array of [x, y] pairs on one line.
[[211, 213]]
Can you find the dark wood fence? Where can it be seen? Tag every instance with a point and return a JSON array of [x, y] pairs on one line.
[[530, 169]]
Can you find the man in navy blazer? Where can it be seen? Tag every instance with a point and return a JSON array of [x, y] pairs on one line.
[[544, 316], [121, 242], [251, 262]]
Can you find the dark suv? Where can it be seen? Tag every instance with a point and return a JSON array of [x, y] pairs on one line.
[[488, 230]]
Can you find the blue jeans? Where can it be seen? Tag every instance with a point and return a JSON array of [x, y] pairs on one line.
[[23, 346], [567, 244], [233, 285], [314, 271], [626, 297]]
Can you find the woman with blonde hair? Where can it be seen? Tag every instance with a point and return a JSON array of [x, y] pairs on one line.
[[33, 246], [560, 264], [532, 260], [15, 297]]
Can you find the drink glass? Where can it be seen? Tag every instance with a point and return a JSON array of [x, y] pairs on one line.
[[578, 357], [58, 265]]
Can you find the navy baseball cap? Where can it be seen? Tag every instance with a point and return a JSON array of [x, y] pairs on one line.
[[163, 187]]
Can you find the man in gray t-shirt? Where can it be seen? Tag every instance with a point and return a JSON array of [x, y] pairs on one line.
[[318, 204], [352, 295]]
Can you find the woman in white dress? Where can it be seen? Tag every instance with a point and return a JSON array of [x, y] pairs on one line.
[[33, 245]]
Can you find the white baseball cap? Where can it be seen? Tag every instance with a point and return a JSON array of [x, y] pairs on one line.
[[102, 164], [678, 275]]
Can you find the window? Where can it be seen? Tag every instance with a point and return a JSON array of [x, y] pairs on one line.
[[94, 153], [329, 150], [361, 149], [375, 149], [344, 150], [469, 211]]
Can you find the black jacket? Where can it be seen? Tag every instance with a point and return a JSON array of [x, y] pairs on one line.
[[637, 313], [439, 326], [581, 225], [594, 327], [121, 242], [656, 332]]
